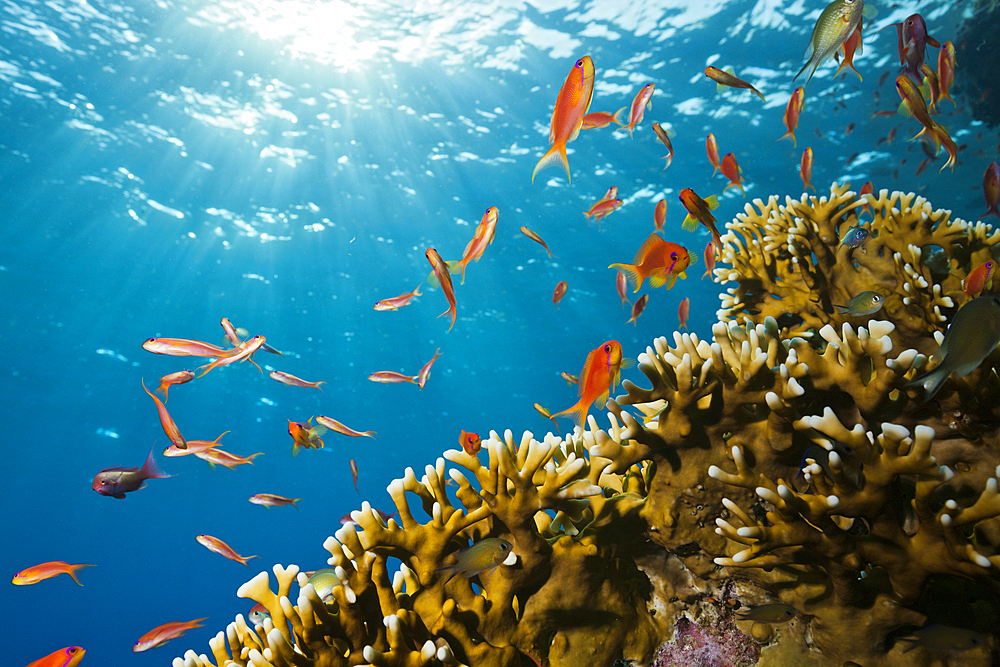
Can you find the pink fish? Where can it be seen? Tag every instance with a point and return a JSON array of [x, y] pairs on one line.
[[118, 481], [425, 371], [683, 311], [642, 100], [397, 302]]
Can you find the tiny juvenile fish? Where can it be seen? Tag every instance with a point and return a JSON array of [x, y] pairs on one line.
[[855, 236], [470, 442], [537, 239], [161, 634], [664, 137], [223, 549], [637, 308], [64, 657], [570, 378], [486, 554], [117, 481], [545, 413], [769, 613], [865, 303], [42, 571], [292, 381], [270, 500]]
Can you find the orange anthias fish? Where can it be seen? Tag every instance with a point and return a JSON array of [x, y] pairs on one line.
[[700, 210], [337, 427], [712, 149], [425, 370], [643, 99], [305, 435], [792, 111], [597, 379], [292, 381], [660, 214], [867, 189], [991, 189], [42, 571], [444, 278], [980, 278], [168, 381], [682, 313], [914, 103], [571, 107], [470, 442], [731, 170], [660, 261], [169, 427], [64, 657], [728, 78], [193, 447], [664, 137], [354, 475], [851, 47], [215, 456], [537, 239], [622, 284], [545, 413], [559, 292], [244, 350], [270, 500], [637, 308], [603, 208], [946, 70], [161, 634], [181, 347], [709, 260], [223, 549], [391, 377], [398, 302], [598, 119], [483, 237], [835, 24], [806, 168]]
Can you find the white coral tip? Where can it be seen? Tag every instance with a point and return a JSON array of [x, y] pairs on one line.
[[714, 472], [832, 501]]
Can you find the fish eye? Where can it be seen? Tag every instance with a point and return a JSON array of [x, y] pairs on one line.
[[607, 348], [579, 63], [673, 255], [72, 651]]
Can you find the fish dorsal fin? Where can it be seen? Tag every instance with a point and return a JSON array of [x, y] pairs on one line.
[[653, 241]]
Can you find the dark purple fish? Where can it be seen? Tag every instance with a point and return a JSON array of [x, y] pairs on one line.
[[118, 481], [913, 40]]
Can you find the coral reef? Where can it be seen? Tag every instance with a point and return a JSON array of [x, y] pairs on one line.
[[785, 462]]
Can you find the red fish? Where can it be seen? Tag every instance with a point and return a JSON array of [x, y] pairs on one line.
[[305, 435], [712, 149], [43, 571], [169, 427], [912, 41], [660, 261], [946, 70], [161, 634], [637, 308], [270, 500], [483, 237], [991, 189], [181, 347], [806, 168], [792, 111], [536, 238], [621, 284], [64, 657], [700, 210], [980, 278], [660, 214], [598, 119], [118, 481], [731, 170], [397, 302], [391, 377], [597, 379], [168, 381], [193, 447], [664, 137], [223, 549], [709, 260], [867, 189], [337, 427], [642, 100], [425, 370], [571, 107], [241, 352], [851, 46], [470, 442], [727, 78], [444, 278], [559, 292], [603, 208], [682, 313]]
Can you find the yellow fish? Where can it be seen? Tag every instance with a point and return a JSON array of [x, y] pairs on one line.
[[484, 555], [835, 25]]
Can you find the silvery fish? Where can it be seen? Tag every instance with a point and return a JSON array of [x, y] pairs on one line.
[[865, 303], [855, 236], [972, 335], [835, 25]]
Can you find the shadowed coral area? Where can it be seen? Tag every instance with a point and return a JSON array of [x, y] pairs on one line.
[[778, 496]]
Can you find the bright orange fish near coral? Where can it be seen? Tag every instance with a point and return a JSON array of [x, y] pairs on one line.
[[42, 571], [597, 379], [161, 634], [731, 170], [712, 149], [470, 442], [660, 261], [572, 105], [792, 112], [64, 657], [683, 310], [806, 168]]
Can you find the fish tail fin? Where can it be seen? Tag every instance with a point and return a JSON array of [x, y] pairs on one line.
[[72, 571], [554, 156], [417, 292], [319, 387], [621, 116], [929, 382], [453, 312], [759, 93], [150, 469], [631, 273], [578, 413], [717, 241]]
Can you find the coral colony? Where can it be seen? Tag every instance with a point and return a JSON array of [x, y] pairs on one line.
[[779, 496]]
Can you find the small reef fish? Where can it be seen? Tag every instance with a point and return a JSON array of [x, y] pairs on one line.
[[768, 613], [973, 333], [258, 614], [792, 111], [559, 292], [980, 278], [598, 119], [354, 475], [391, 377], [637, 308], [117, 481], [292, 381], [712, 150], [216, 456], [240, 333], [181, 347], [444, 278], [241, 352], [337, 427], [731, 170], [570, 378], [397, 302], [169, 427], [709, 260], [270, 500], [223, 549], [482, 238], [683, 310], [230, 331], [914, 104], [537, 239], [664, 136], [42, 571], [597, 379], [425, 371], [161, 634], [486, 554], [867, 189], [305, 435], [621, 284], [700, 210], [852, 46], [167, 381], [64, 657], [660, 261], [193, 447], [602, 209], [806, 168], [835, 24], [729, 79], [991, 190], [572, 105], [660, 214], [642, 100], [946, 70], [324, 581], [865, 303], [545, 413], [912, 40], [855, 236], [944, 639], [932, 85], [470, 442]]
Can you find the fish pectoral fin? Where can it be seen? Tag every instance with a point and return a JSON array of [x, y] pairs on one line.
[[690, 223], [119, 496]]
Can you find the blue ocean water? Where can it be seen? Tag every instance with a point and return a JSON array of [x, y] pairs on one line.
[[286, 164]]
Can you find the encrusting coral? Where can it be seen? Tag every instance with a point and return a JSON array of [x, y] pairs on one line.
[[785, 462]]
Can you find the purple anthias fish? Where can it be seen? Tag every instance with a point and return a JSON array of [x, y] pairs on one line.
[[118, 481], [913, 40]]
